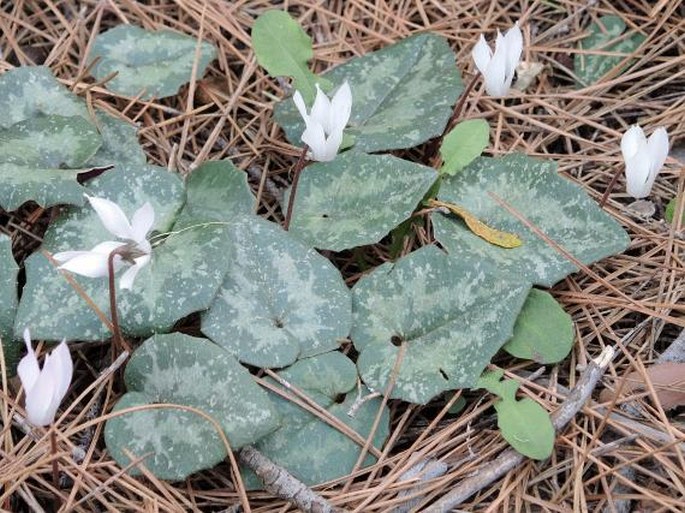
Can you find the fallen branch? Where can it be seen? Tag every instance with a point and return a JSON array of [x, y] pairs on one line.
[[490, 472], [279, 482]]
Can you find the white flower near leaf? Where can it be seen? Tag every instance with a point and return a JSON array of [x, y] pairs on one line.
[[44, 388], [498, 68], [644, 158], [325, 123], [134, 247]]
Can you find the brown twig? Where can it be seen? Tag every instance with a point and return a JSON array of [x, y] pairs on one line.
[[281, 483]]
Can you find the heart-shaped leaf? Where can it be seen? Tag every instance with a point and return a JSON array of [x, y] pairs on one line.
[[283, 49], [524, 423], [452, 314], [561, 210], [463, 143], [8, 302], [184, 275], [154, 63], [307, 447], [356, 199], [590, 68], [402, 95], [280, 300], [195, 373], [217, 191], [543, 331]]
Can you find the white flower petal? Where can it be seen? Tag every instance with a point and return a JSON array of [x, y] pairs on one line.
[[632, 142], [513, 47], [495, 76], [341, 108], [481, 54], [301, 107], [112, 217], [90, 264], [332, 146], [28, 369], [638, 180], [320, 110], [63, 368], [127, 279], [142, 221], [314, 137], [657, 148]]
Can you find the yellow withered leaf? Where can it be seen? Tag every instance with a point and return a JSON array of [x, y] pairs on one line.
[[493, 236]]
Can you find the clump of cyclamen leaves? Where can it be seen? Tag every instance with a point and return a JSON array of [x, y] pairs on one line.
[[268, 299]]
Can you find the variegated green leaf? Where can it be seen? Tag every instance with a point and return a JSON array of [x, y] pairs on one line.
[[45, 186], [280, 300], [49, 141], [356, 199], [307, 447], [185, 272], [590, 68], [452, 315], [191, 372], [217, 191], [8, 303], [31, 91], [463, 143], [120, 144], [155, 64], [559, 209], [402, 95]]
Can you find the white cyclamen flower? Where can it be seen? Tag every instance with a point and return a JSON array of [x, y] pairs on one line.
[[44, 388], [326, 121], [94, 263], [498, 68], [644, 158]]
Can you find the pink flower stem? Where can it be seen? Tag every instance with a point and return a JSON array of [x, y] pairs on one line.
[[120, 344], [53, 452], [297, 170]]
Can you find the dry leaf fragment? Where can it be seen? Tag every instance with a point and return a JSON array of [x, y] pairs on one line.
[[493, 236], [668, 380]]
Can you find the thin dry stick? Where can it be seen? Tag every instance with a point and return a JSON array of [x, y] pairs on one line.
[[281, 483], [510, 459]]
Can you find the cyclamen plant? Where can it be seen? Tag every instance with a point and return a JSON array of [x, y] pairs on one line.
[[268, 299]]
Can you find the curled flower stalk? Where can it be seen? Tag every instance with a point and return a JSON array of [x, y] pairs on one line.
[[498, 68], [643, 159]]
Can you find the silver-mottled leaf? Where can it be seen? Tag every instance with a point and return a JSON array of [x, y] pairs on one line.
[[560, 209], [19, 184], [452, 314], [9, 271], [120, 144], [280, 300], [158, 63], [217, 191], [308, 448], [402, 95], [30, 91], [192, 372], [49, 142], [356, 199]]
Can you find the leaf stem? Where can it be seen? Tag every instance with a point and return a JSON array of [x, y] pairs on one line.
[[297, 170]]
